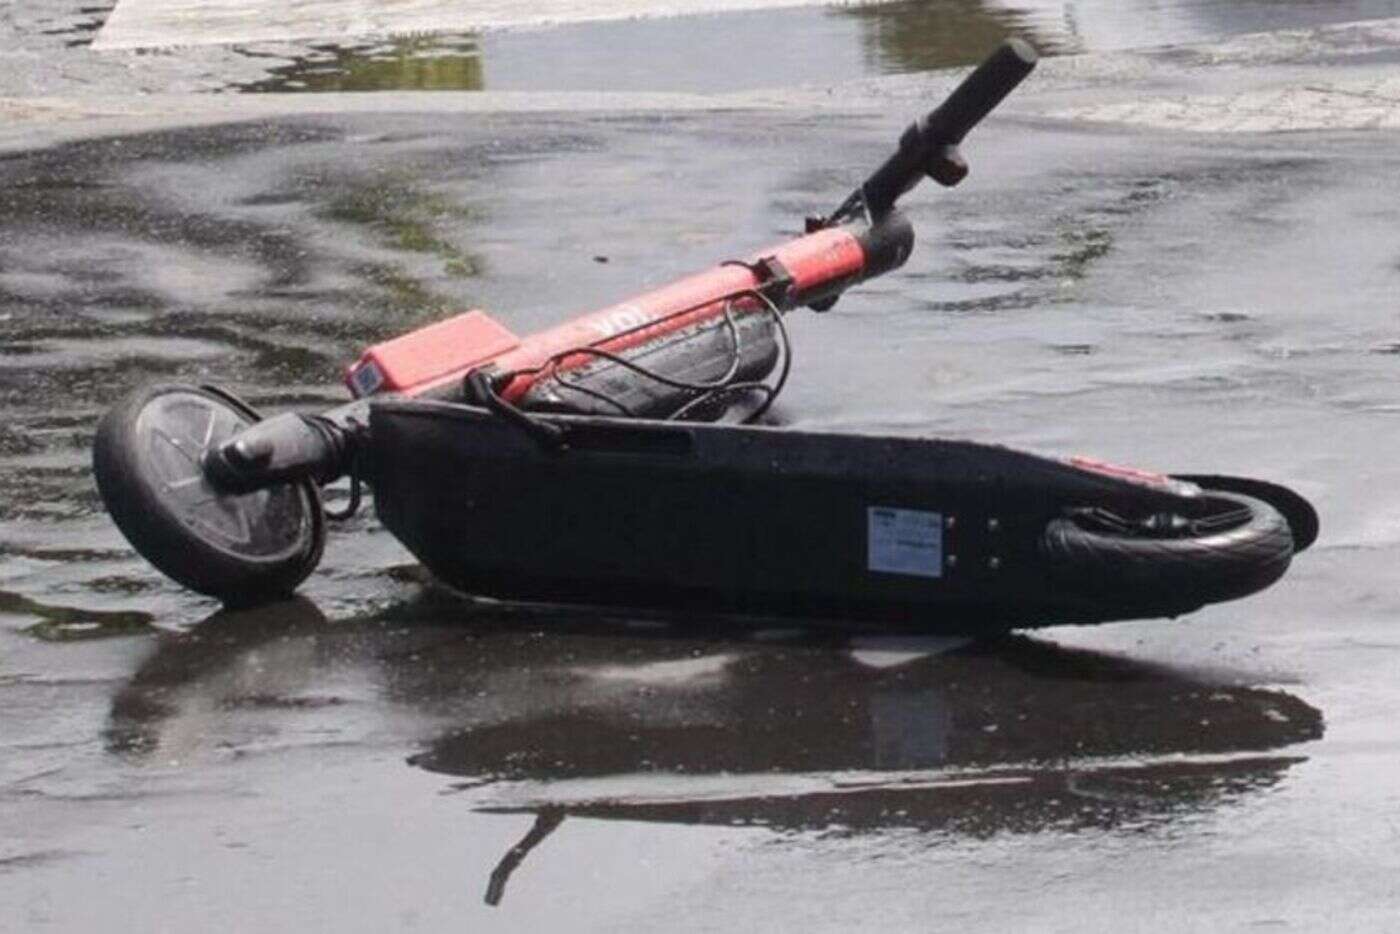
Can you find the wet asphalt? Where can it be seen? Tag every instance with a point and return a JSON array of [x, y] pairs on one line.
[[382, 755]]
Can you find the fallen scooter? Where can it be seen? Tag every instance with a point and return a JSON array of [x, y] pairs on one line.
[[587, 464]]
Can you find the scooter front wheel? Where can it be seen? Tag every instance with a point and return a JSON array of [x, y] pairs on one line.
[[1231, 546], [148, 459]]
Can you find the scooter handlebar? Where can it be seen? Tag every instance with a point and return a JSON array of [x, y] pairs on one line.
[[928, 146], [979, 94]]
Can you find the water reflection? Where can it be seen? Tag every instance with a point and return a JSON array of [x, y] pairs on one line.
[[923, 36], [739, 51], [411, 63], [692, 53], [593, 717], [1102, 25]]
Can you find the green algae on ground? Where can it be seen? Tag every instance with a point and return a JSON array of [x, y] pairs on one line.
[[405, 63], [74, 624], [407, 219]]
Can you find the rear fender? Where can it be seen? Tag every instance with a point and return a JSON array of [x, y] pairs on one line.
[[1302, 517]]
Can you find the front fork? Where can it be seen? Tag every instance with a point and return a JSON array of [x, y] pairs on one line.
[[290, 447]]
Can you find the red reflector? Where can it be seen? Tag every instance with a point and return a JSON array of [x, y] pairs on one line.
[[1133, 474], [430, 355]]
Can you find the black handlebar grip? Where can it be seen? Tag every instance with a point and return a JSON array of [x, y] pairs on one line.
[[979, 93], [925, 148]]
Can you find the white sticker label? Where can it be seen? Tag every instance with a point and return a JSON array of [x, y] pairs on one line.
[[905, 541]]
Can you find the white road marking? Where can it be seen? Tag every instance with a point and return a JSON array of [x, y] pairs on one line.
[[164, 23], [1366, 105]]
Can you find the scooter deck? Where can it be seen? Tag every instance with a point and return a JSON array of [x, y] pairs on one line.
[[925, 534]]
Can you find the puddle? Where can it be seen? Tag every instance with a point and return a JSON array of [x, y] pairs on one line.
[[701, 53], [418, 63], [686, 48]]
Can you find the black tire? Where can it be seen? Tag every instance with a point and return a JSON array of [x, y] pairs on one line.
[[1189, 569], [1302, 517], [244, 550]]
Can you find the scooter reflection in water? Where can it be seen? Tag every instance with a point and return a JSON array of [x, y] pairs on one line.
[[571, 715]]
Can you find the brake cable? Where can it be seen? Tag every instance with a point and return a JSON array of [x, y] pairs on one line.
[[482, 386]]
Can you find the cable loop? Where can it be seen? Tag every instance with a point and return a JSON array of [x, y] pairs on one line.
[[356, 495]]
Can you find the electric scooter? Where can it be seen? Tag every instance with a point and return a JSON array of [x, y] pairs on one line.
[[615, 459]]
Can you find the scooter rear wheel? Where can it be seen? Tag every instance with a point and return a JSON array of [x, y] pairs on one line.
[[148, 462], [1235, 546]]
